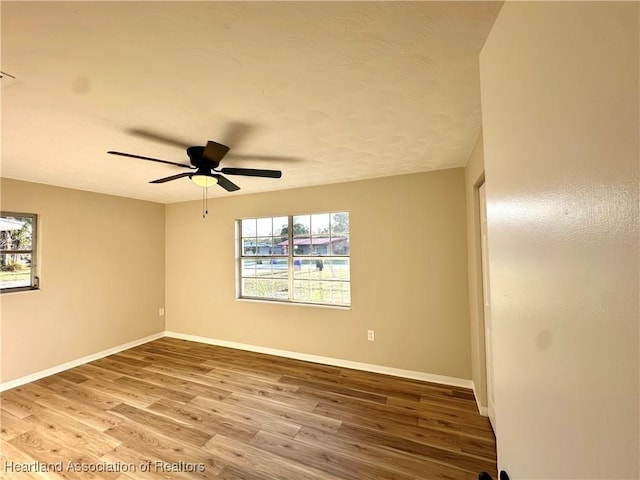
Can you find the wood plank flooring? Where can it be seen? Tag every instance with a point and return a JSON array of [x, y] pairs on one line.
[[177, 409]]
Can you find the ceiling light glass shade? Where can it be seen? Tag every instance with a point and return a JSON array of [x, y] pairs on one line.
[[204, 180]]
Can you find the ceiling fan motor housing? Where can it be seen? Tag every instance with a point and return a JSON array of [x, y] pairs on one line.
[[195, 156]]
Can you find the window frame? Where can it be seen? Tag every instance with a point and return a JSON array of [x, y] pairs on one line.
[[34, 281], [290, 257]]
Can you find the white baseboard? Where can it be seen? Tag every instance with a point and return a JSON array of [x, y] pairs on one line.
[[484, 411], [336, 362], [75, 363]]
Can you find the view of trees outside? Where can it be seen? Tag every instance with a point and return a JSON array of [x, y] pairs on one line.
[[16, 244], [320, 260]]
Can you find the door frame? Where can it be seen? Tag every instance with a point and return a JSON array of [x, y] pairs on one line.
[[484, 314]]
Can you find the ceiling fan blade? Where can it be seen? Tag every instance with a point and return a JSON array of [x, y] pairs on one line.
[[236, 132], [252, 172], [150, 159], [158, 137], [172, 177], [267, 158], [214, 152], [227, 184]]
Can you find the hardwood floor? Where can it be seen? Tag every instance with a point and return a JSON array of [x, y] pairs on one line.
[[177, 409]]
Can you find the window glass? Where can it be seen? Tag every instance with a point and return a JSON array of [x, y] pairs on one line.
[[17, 251], [310, 264]]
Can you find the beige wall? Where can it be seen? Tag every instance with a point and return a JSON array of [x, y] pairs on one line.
[[409, 274], [559, 85], [102, 277], [474, 177]]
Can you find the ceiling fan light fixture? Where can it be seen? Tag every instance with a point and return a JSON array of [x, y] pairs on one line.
[[204, 180]]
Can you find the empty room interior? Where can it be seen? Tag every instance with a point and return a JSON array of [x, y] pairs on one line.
[[320, 240]]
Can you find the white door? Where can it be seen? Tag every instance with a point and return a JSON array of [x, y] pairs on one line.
[[488, 330]]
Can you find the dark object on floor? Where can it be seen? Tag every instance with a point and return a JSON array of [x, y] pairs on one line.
[[486, 476]]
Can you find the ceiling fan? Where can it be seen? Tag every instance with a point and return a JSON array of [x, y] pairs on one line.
[[205, 162]]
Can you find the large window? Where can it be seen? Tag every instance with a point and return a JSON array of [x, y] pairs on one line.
[[299, 258], [18, 252]]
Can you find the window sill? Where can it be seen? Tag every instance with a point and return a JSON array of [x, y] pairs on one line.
[[294, 304], [19, 290]]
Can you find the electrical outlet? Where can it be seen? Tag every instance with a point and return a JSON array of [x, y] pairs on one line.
[[371, 335], [161, 312]]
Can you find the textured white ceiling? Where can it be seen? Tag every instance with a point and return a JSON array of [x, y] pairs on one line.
[[325, 91]]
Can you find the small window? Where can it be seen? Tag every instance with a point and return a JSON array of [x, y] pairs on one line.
[[300, 259], [18, 252]]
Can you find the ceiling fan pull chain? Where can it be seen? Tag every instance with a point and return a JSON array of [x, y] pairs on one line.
[[205, 201]]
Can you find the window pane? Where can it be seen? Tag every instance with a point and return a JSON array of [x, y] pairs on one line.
[[267, 288], [249, 227], [15, 270], [280, 247], [265, 268], [320, 223], [340, 222], [302, 268], [302, 245], [280, 266], [15, 233], [264, 227], [320, 245], [297, 267], [333, 293], [335, 269], [249, 246], [310, 267], [264, 288], [340, 293], [312, 291], [248, 268], [262, 267], [340, 245], [264, 246], [280, 227], [271, 268], [249, 287], [321, 268], [301, 292], [301, 225]]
